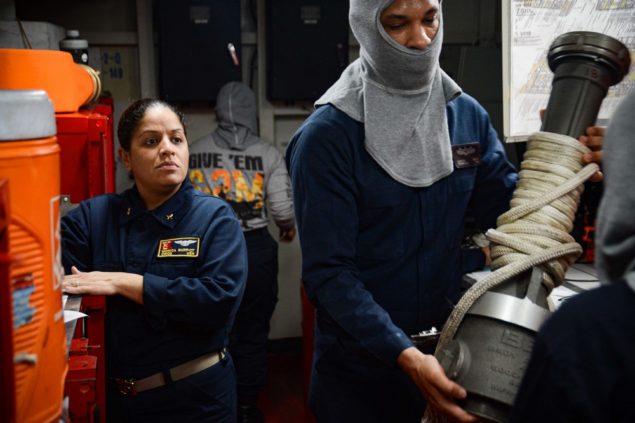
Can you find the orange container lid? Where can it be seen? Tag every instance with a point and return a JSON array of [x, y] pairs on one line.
[[68, 84]]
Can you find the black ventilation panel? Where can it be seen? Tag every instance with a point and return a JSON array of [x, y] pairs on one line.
[[195, 58], [307, 47]]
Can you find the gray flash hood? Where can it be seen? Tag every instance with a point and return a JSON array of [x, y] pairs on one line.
[[616, 216], [401, 95], [237, 113]]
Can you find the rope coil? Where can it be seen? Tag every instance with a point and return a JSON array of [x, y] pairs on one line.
[[535, 231]]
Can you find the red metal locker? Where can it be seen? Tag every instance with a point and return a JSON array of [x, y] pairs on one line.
[[87, 155], [87, 163]]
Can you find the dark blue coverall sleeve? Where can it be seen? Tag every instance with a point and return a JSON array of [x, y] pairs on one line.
[[321, 168], [210, 296], [77, 249], [202, 292]]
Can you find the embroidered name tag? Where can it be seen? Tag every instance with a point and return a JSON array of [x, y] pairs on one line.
[[179, 247], [466, 155]]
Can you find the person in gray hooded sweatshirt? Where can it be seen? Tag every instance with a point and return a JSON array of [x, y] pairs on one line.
[[382, 174], [233, 163], [582, 367]]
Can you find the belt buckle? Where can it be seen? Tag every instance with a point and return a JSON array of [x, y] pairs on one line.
[[126, 387]]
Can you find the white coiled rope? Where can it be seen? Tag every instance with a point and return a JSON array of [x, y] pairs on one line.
[[535, 231]]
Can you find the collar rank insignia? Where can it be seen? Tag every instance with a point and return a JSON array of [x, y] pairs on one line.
[[186, 247]]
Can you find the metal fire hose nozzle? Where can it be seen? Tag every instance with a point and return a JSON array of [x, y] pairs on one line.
[[492, 345]]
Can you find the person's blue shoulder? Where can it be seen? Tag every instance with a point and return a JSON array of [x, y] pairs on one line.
[[590, 312], [100, 203], [467, 106], [465, 101], [104, 199], [327, 125], [102, 208], [328, 119], [603, 300], [467, 116]]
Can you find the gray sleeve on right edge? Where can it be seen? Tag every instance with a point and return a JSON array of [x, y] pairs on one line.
[[279, 197]]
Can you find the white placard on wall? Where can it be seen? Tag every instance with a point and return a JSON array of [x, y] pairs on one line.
[[529, 28]]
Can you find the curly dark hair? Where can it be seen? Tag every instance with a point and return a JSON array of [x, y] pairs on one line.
[[131, 117]]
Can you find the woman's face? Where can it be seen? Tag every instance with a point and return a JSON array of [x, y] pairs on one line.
[[412, 23], [158, 156]]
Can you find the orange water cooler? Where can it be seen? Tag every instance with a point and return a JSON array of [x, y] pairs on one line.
[[85, 168], [33, 334], [88, 163]]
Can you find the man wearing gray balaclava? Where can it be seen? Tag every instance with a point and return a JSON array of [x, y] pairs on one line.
[[582, 367], [382, 174]]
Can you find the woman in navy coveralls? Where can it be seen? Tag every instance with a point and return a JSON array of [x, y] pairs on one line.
[[172, 263]]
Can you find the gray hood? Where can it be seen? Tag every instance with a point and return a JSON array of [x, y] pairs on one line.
[[237, 116], [401, 95], [616, 216]]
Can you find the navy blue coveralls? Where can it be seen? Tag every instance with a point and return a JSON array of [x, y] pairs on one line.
[[382, 260], [249, 337], [189, 299], [581, 368]]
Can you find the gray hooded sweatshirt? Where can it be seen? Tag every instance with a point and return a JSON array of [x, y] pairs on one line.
[[401, 95], [616, 216], [235, 164]]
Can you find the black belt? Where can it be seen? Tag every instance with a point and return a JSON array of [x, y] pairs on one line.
[[133, 387]]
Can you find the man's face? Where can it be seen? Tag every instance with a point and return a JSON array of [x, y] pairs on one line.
[[412, 23]]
